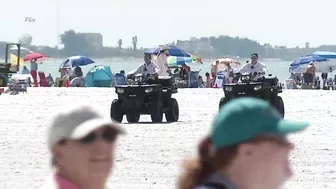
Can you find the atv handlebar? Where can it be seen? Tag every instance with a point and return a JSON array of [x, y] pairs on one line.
[[142, 78]]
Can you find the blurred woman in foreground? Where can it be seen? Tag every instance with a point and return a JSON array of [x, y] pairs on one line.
[[244, 153]]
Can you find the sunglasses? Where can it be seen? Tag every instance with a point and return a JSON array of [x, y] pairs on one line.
[[108, 136]]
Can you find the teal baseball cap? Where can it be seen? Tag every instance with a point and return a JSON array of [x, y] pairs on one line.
[[245, 118]]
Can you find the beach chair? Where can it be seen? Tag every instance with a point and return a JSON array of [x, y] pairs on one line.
[[60, 82], [220, 80], [43, 80], [18, 86], [193, 79], [330, 84]]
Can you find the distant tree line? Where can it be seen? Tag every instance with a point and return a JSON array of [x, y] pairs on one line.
[[76, 44], [243, 47]]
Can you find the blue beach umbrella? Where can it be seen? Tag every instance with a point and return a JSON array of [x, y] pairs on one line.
[[301, 64], [75, 61], [172, 50]]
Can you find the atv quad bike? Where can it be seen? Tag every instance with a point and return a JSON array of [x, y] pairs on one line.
[[146, 95], [266, 88]]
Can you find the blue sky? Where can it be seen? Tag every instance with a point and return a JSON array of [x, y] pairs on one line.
[[155, 22]]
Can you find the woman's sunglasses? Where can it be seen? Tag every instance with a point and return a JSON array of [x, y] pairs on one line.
[[108, 136]]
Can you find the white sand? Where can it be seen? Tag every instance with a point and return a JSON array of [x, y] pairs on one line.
[[150, 156]]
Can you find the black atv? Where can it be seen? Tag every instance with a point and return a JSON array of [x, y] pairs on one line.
[[266, 88], [146, 95]]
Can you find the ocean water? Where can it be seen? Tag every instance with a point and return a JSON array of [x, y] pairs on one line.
[[277, 68]]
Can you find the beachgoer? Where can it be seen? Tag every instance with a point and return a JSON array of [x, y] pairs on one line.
[[254, 67], [200, 82], [148, 67], [78, 72], [185, 71], [162, 61], [25, 70], [229, 72], [33, 65], [309, 75], [214, 68], [50, 79], [207, 80], [324, 77], [246, 148], [82, 146], [77, 82]]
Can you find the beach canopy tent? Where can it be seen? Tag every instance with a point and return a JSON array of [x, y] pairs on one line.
[[99, 76]]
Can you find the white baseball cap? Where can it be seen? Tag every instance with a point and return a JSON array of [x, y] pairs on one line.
[[78, 122]]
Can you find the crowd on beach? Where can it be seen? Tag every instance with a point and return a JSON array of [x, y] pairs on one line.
[[309, 79], [237, 153]]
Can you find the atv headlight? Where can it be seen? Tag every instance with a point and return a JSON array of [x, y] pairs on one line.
[[257, 87], [148, 90], [138, 79], [120, 90], [245, 78], [228, 88]]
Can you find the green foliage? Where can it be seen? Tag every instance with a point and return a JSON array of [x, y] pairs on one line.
[[75, 44]]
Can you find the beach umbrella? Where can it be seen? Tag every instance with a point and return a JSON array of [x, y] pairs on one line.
[[196, 59], [178, 60], [321, 64], [35, 55], [223, 61], [325, 54], [75, 61], [172, 50]]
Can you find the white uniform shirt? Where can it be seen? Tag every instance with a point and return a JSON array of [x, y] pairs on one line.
[[147, 69], [252, 68]]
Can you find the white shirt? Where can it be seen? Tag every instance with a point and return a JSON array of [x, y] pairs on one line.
[[147, 69], [162, 63], [252, 68]]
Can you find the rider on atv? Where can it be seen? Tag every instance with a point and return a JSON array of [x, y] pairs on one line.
[[256, 68], [148, 67]]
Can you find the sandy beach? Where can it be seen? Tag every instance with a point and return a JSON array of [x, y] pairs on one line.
[[150, 156]]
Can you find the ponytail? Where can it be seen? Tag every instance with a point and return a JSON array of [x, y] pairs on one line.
[[196, 171], [209, 161]]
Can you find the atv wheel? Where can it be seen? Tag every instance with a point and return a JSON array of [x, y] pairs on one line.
[[157, 112], [133, 117], [221, 102], [115, 112], [173, 113], [279, 105]]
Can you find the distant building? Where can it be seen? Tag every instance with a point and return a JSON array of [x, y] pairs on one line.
[[195, 44], [95, 39], [307, 45]]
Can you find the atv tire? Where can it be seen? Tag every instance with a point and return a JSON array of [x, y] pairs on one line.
[[156, 112], [279, 105], [173, 113], [115, 113], [133, 117]]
